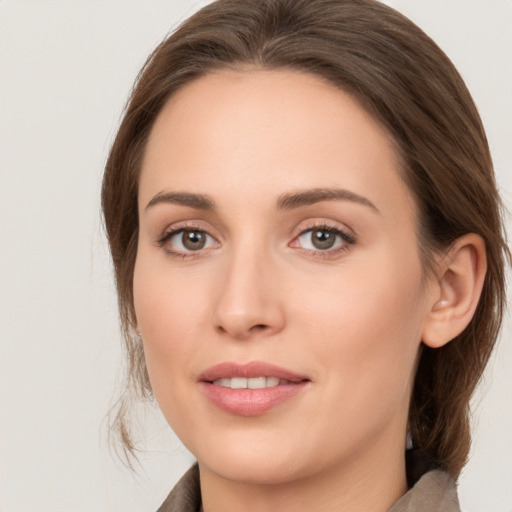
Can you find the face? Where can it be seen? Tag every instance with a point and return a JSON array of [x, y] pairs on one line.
[[278, 288]]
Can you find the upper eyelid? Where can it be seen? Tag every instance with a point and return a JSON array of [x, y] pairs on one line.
[[325, 224], [300, 228], [171, 232], [347, 238], [186, 225]]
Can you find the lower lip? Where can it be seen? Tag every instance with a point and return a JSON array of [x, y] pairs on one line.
[[250, 402]]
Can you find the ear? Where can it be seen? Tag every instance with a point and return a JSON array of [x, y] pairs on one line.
[[458, 284]]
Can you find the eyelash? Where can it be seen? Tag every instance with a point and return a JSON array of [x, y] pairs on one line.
[[170, 233], [347, 239]]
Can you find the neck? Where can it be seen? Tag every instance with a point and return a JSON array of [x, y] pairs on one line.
[[369, 483]]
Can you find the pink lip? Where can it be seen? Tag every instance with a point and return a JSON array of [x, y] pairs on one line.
[[250, 402], [248, 370]]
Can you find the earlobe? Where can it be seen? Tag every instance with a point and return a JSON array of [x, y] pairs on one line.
[[460, 279]]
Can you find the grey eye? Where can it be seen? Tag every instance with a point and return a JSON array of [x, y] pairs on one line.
[[321, 239]]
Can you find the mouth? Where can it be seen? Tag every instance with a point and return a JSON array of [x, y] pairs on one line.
[[250, 389], [251, 383]]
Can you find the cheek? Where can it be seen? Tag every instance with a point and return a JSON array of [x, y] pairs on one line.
[[368, 323], [364, 293], [165, 302], [169, 314]]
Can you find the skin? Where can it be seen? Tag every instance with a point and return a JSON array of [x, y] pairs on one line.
[[350, 318]]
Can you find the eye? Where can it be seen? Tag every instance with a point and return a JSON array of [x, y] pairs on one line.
[[185, 241], [323, 238]]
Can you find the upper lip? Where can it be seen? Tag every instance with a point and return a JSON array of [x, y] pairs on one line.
[[229, 370]]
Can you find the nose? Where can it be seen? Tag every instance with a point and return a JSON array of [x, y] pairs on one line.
[[249, 302]]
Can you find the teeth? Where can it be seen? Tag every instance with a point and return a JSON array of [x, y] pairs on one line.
[[251, 383], [257, 383], [273, 381], [238, 383]]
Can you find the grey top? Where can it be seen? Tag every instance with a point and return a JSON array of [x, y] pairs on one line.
[[435, 491]]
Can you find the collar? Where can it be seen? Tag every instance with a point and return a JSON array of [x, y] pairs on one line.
[[435, 490]]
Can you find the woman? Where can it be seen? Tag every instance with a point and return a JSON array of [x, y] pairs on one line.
[[309, 256]]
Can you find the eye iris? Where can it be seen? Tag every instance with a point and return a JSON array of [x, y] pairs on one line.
[[193, 240], [323, 239]]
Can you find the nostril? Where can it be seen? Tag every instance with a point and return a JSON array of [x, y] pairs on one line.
[[259, 327]]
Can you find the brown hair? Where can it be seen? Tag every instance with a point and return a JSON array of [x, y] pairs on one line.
[[401, 76]]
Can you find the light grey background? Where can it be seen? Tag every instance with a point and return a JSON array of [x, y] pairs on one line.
[[66, 69]]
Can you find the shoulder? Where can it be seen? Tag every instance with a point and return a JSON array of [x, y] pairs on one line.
[[434, 491], [186, 495]]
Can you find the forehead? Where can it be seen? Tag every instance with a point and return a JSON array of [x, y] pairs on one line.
[[255, 131]]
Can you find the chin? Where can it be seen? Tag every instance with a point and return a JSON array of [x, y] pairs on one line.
[[251, 462], [254, 471]]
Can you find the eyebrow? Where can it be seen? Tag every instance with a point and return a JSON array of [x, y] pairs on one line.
[[198, 201], [287, 201], [309, 197]]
